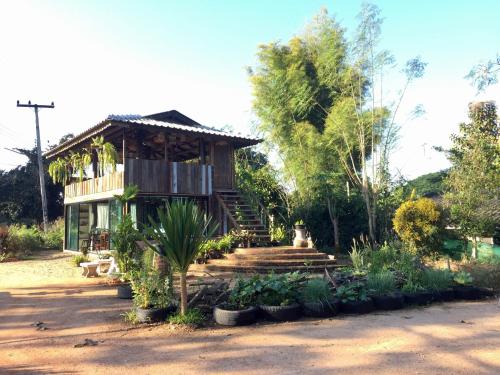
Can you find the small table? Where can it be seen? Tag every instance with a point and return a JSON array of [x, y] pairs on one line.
[[89, 269]]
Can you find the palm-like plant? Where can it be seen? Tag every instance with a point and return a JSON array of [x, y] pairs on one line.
[[129, 193], [182, 230], [107, 156]]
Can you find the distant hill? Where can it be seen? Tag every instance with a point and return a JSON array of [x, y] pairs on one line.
[[428, 185]]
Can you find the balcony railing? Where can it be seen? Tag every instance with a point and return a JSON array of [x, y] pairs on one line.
[[108, 183], [151, 176]]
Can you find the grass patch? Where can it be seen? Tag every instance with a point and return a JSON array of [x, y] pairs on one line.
[[130, 317], [77, 259], [193, 317]]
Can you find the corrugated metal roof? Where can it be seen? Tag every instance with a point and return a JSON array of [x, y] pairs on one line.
[[145, 121], [170, 125]]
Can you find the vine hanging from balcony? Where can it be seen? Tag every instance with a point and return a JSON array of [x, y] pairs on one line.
[[62, 169], [107, 156]]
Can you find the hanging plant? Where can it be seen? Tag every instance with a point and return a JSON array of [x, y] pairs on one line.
[[107, 156], [59, 171], [80, 162]]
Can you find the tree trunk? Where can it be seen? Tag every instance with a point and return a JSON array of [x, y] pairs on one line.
[[332, 212], [371, 226], [474, 247], [184, 296]]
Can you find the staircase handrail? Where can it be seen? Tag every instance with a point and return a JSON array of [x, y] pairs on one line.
[[226, 211], [264, 215]]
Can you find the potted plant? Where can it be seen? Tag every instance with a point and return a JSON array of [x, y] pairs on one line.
[[318, 300], [277, 296], [152, 296], [382, 288], [240, 309], [463, 286], [415, 294], [354, 298], [300, 239], [438, 282]]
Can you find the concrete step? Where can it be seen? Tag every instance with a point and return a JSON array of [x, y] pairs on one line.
[[274, 250], [272, 262], [228, 269], [274, 256]]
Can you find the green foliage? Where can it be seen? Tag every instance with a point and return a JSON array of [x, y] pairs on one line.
[[216, 249], [245, 292], [277, 233], [130, 316], [419, 224], [463, 278], [359, 258], [107, 156], [484, 273], [381, 283], [181, 231], [20, 200], [192, 317], [77, 259], [351, 292], [150, 289], [316, 290], [53, 238], [22, 238], [436, 279], [474, 178], [411, 287], [124, 240]]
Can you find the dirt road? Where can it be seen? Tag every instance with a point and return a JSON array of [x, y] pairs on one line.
[[452, 338]]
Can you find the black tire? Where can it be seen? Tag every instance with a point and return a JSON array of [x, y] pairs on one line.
[[445, 295], [357, 307], [153, 315], [124, 291], [420, 298], [393, 301], [469, 293], [281, 313], [486, 292], [321, 309], [234, 317]]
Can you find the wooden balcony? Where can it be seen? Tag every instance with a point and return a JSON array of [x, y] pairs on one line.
[[153, 177], [95, 188]]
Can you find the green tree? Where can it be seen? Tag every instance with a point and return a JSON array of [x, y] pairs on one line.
[[419, 224], [181, 231], [295, 86], [474, 179]]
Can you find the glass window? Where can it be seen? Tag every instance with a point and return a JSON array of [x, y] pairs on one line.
[[72, 227], [102, 216]]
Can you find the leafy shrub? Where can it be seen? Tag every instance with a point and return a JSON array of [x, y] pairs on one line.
[[244, 293], [435, 279], [130, 316], [215, 249], [484, 274], [411, 287], [279, 289], [23, 239], [53, 239], [191, 317], [419, 224], [77, 259], [463, 278], [385, 257], [355, 291], [124, 240], [277, 233], [381, 283], [150, 289], [316, 290], [4, 234]]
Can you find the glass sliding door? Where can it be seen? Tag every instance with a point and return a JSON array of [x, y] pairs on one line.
[[72, 217], [115, 217]]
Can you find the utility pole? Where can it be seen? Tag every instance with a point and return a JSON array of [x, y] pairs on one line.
[[40, 163]]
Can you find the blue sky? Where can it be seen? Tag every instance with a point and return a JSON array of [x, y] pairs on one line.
[[94, 58]]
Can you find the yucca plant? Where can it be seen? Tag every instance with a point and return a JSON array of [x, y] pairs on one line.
[[181, 230]]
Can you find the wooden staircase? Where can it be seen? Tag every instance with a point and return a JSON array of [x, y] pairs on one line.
[[266, 259], [243, 216]]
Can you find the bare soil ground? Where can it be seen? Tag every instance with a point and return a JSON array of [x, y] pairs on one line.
[[451, 338]]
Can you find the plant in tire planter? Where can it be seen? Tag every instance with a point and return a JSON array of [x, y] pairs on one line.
[[318, 300], [464, 288], [354, 299], [382, 288], [439, 283], [277, 295], [415, 294], [152, 296], [240, 309]]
